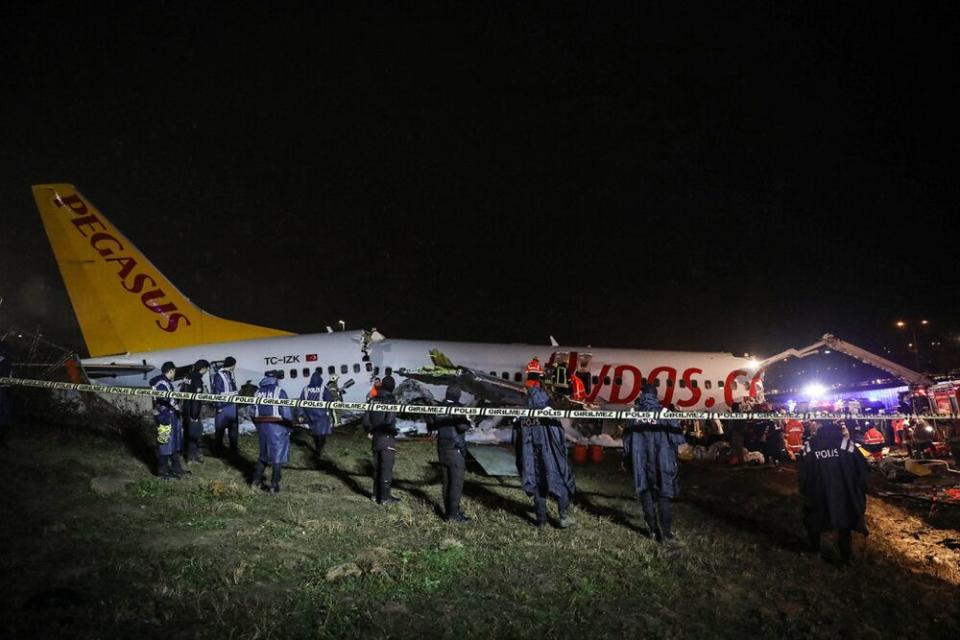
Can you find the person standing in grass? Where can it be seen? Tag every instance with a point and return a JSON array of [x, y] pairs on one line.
[[452, 454], [273, 429], [193, 427], [168, 425], [833, 483], [318, 419], [382, 429], [650, 448], [225, 384], [542, 461]]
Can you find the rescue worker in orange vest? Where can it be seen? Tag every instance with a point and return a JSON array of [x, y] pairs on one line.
[[583, 372], [873, 442], [577, 390], [898, 432], [374, 389], [534, 371], [793, 434]]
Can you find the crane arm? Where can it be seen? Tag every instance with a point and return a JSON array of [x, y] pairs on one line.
[[830, 341]]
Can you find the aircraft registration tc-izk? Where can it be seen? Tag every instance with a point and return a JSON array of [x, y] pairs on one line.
[[133, 319]]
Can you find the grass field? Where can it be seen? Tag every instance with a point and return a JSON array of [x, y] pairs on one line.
[[94, 546]]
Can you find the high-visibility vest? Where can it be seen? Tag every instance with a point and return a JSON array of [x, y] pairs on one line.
[[898, 431], [534, 367], [794, 435], [577, 390], [872, 436]]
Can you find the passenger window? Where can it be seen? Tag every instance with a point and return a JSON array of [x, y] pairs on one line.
[[733, 385], [595, 379], [707, 385], [505, 375], [656, 382], [683, 384], [720, 384], [369, 367], [376, 371], [356, 368], [344, 368], [618, 381], [493, 373], [306, 372], [606, 380], [518, 377], [669, 382], [331, 370], [643, 382], [293, 373]]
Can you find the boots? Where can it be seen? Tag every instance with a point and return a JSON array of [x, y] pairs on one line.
[[177, 469], [650, 516], [255, 484], [275, 479], [540, 505], [163, 468]]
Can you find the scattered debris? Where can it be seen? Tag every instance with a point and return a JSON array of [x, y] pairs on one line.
[[346, 570], [375, 560]]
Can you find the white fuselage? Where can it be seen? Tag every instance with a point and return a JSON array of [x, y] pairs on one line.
[[689, 380]]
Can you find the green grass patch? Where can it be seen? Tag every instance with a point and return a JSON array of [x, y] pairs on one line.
[[212, 559]]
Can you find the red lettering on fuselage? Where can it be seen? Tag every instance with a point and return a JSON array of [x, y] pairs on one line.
[[754, 382], [100, 240], [595, 391], [694, 388], [634, 389], [728, 385], [689, 392], [668, 386]]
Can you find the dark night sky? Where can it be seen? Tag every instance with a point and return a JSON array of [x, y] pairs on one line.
[[739, 178]]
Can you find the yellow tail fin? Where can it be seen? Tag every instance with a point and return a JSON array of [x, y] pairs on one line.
[[123, 303]]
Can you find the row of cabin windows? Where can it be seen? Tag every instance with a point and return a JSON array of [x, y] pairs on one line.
[[708, 384], [332, 370], [517, 377]]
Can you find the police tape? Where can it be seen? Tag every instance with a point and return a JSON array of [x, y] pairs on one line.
[[481, 412]]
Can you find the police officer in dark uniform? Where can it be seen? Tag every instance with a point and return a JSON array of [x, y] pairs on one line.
[[193, 427], [650, 448], [381, 426], [452, 452], [772, 437], [273, 431], [227, 420], [833, 483], [318, 419], [168, 425], [542, 461]]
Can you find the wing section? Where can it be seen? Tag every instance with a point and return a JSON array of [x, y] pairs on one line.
[[482, 386]]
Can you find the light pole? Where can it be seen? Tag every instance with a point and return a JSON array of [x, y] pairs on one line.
[[912, 325]]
